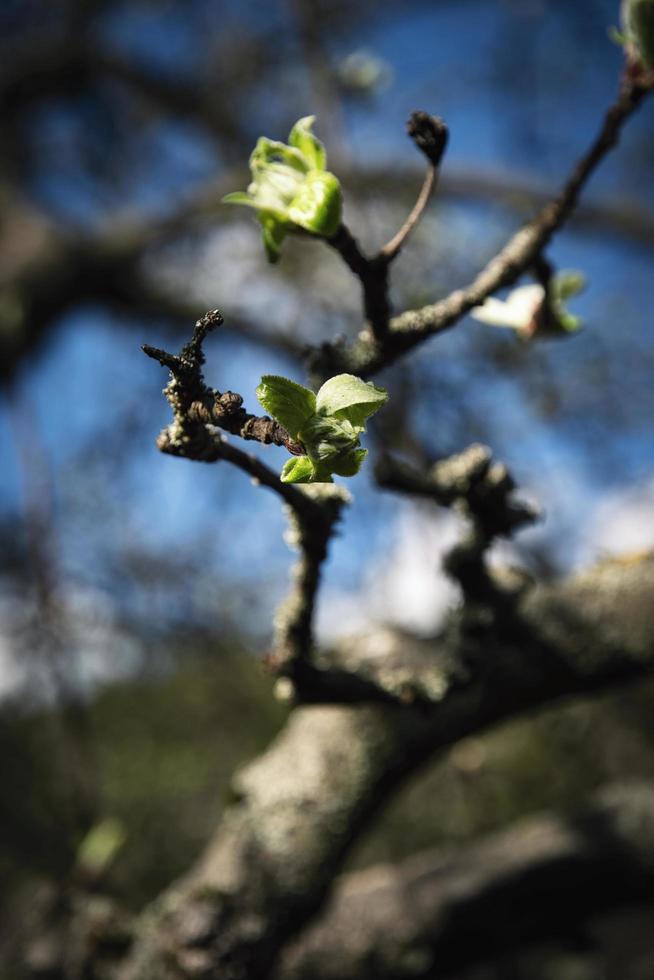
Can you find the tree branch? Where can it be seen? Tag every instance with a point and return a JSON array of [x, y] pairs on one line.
[[483, 492], [393, 247], [197, 410], [540, 880], [414, 326], [196, 406], [430, 135], [373, 276], [293, 644], [306, 799]]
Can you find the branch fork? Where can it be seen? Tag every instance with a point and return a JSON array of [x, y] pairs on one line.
[[430, 135]]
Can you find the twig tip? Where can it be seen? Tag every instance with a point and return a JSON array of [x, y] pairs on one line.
[[430, 134]]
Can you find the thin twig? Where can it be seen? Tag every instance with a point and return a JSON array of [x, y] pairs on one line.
[[413, 327], [430, 134], [392, 248], [194, 402]]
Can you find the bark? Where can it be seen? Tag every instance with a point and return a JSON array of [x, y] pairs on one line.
[[304, 801], [438, 913]]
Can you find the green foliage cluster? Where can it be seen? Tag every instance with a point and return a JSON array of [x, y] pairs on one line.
[[292, 191], [328, 424], [291, 188]]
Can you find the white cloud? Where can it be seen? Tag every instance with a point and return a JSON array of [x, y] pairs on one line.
[[406, 587], [623, 521]]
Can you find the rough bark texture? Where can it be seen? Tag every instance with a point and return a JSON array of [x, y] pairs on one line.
[[440, 912], [303, 802]]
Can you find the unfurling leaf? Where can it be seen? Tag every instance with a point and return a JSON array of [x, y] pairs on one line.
[[328, 426], [303, 139], [349, 463], [290, 403], [567, 284], [317, 205], [299, 469], [273, 233], [100, 846], [348, 397], [291, 189], [517, 311], [325, 437], [531, 312]]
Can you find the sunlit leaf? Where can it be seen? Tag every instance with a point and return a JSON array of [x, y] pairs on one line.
[[303, 138], [317, 205], [290, 185], [299, 469], [288, 402], [348, 397]]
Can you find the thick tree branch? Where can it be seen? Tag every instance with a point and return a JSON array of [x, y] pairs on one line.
[[441, 912], [68, 65], [305, 800]]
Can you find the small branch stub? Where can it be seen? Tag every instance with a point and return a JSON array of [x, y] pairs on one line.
[[430, 134]]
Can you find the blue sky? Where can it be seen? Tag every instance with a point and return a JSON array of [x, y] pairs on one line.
[[522, 89]]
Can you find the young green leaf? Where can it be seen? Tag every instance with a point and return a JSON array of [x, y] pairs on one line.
[[349, 464], [328, 426], [618, 37], [267, 153], [291, 187], [326, 437], [567, 323], [274, 232], [101, 845], [302, 137], [567, 284], [240, 197], [317, 205], [531, 312], [348, 397], [299, 469], [289, 403]]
